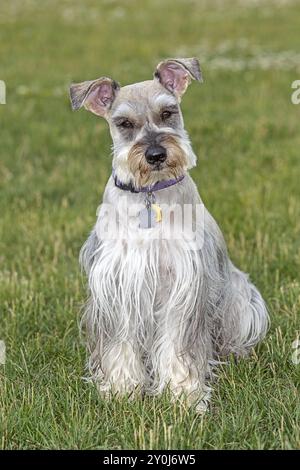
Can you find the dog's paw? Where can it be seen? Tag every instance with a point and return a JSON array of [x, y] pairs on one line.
[[202, 401], [197, 399], [202, 406], [108, 390]]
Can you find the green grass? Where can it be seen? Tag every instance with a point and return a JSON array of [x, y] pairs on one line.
[[54, 165]]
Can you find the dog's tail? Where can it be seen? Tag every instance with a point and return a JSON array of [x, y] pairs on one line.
[[245, 319]]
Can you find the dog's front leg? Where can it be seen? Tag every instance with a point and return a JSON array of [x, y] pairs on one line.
[[183, 373], [121, 371]]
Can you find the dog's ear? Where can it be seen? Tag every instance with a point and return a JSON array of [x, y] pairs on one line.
[[176, 74], [96, 96]]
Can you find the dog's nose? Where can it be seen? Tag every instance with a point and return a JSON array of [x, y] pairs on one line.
[[155, 154]]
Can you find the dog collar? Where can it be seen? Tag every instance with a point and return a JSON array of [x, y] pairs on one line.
[[146, 189]]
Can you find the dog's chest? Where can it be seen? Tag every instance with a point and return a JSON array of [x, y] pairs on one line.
[[146, 269]]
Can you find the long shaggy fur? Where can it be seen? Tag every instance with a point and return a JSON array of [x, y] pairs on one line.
[[160, 313]]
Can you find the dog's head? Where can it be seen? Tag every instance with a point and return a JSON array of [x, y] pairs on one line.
[[149, 140]]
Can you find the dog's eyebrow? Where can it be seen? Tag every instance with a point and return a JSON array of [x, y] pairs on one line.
[[164, 101], [123, 110]]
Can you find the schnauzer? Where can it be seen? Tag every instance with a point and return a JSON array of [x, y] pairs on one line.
[[162, 309]]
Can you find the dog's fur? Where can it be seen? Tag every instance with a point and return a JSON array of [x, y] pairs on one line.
[[160, 313]]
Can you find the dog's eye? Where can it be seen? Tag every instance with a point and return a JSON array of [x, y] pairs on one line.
[[165, 115], [126, 124]]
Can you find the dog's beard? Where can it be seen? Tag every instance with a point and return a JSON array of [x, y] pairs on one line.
[[145, 174]]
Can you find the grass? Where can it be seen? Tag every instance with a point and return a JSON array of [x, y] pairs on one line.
[[54, 165]]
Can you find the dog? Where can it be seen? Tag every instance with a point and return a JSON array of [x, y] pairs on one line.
[[162, 310]]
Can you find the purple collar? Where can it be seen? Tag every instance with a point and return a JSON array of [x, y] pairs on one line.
[[146, 189]]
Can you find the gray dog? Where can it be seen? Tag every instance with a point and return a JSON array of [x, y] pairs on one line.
[[165, 302]]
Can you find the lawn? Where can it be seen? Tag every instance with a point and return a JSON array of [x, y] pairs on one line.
[[53, 169]]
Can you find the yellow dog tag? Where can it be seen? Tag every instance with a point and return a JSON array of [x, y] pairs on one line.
[[158, 213]]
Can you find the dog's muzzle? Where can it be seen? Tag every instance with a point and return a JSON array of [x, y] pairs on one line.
[[155, 154]]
